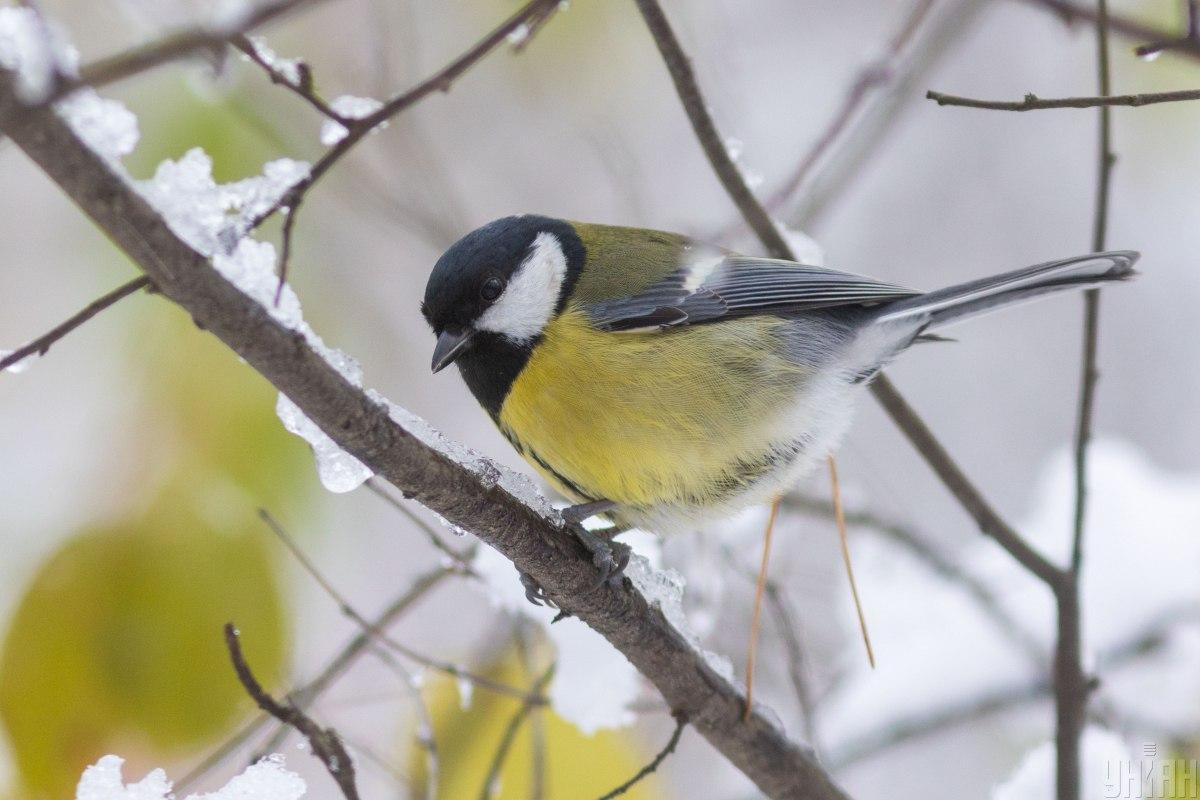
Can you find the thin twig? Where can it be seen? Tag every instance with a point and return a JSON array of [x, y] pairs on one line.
[[463, 559], [173, 47], [492, 777], [655, 763], [871, 77], [453, 670], [1034, 103], [325, 743], [789, 632], [756, 614], [839, 517], [945, 567], [302, 89], [680, 68], [1190, 38], [1071, 685], [525, 628], [1072, 12], [358, 129], [43, 343]]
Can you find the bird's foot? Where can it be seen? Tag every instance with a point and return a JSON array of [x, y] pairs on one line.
[[533, 590], [610, 556], [575, 515]]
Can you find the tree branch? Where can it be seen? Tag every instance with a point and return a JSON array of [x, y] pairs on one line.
[[1034, 103], [464, 488], [325, 742], [1072, 12], [43, 343], [655, 763]]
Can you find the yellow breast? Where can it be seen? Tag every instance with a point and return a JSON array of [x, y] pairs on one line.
[[646, 419]]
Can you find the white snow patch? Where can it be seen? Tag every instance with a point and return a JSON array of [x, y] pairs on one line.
[[288, 68], [350, 107], [35, 49], [105, 125], [1101, 754], [265, 780]]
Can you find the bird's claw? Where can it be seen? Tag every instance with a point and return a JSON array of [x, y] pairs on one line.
[[533, 590], [610, 557]]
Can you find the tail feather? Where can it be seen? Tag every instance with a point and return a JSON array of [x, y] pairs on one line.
[[952, 304]]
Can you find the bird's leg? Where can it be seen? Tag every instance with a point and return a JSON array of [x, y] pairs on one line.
[[577, 514], [759, 587], [610, 557]]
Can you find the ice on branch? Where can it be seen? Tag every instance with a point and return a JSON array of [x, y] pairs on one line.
[[265, 780], [349, 107], [288, 68], [1102, 754]]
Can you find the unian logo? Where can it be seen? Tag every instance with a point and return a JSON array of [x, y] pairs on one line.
[[1152, 778]]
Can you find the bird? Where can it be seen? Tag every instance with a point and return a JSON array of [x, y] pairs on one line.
[[662, 383]]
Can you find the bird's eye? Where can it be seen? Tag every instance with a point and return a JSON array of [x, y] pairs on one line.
[[491, 289]]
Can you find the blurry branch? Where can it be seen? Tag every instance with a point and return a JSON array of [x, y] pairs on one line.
[[941, 565], [462, 559], [1034, 103], [789, 631], [902, 414], [302, 89], [172, 48], [655, 763], [880, 111], [1072, 688], [1190, 38], [523, 633], [531, 15], [305, 696], [467, 490], [43, 343], [873, 76], [453, 670], [1147, 641], [1158, 40], [680, 67], [325, 742], [492, 778]]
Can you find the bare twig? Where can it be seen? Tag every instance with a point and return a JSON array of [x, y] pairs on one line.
[[1034, 103], [43, 343], [467, 490], [1190, 38], [462, 559], [655, 763], [1071, 685], [302, 89], [305, 696], [453, 670], [174, 47], [705, 129], [509, 736], [358, 129], [942, 565], [871, 77], [1072, 12], [789, 632], [324, 742]]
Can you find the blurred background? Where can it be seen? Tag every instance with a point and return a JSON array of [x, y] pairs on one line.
[[134, 456]]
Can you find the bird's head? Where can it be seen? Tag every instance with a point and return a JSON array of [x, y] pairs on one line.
[[507, 279]]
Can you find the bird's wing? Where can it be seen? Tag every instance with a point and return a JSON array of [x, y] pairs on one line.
[[731, 286]]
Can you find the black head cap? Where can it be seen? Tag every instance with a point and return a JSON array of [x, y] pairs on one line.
[[470, 275]]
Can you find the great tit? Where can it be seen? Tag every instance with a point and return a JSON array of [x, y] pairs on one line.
[[667, 383]]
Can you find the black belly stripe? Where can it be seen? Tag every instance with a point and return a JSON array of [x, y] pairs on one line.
[[529, 453]]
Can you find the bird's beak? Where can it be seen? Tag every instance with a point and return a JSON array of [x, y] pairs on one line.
[[450, 345]]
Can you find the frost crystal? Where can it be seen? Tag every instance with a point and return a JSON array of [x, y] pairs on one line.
[[338, 470], [288, 68], [266, 780], [350, 107]]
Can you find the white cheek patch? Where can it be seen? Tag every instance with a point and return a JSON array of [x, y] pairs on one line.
[[528, 302]]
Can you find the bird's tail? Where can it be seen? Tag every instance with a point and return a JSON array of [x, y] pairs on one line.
[[977, 297]]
